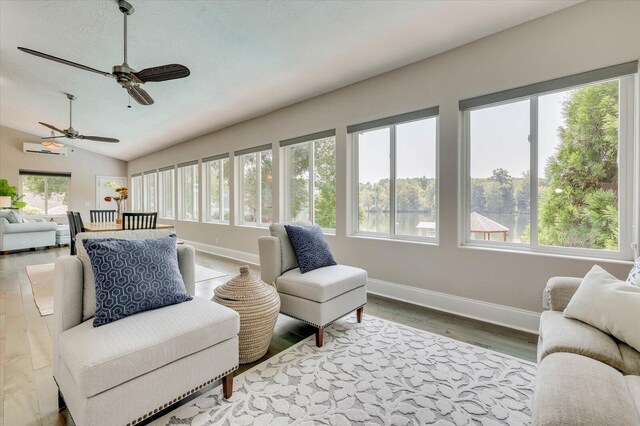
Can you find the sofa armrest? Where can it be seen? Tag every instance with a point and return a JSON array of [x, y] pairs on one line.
[[559, 291], [270, 262], [68, 291], [21, 228], [187, 266]]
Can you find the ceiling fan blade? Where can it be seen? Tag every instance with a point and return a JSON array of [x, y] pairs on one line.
[[64, 61], [98, 139], [162, 73], [54, 137], [52, 127], [140, 95]]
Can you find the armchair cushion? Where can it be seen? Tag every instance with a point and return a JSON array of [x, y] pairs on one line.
[[134, 276], [321, 284], [103, 357], [89, 293], [310, 247], [288, 256]]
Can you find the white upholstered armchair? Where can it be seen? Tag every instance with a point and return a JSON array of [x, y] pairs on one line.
[[128, 370], [318, 297]]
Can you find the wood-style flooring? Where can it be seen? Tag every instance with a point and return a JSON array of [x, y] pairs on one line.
[[28, 394]]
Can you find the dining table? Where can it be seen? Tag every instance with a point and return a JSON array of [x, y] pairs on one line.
[[112, 226]]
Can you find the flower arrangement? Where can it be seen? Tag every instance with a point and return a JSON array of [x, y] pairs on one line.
[[123, 194]]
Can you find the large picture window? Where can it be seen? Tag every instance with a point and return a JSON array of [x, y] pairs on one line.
[[166, 191], [551, 170], [216, 181], [188, 191], [45, 193], [150, 185], [255, 173], [396, 187], [310, 179]]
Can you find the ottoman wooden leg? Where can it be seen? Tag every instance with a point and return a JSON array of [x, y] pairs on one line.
[[359, 313], [227, 385], [319, 337]]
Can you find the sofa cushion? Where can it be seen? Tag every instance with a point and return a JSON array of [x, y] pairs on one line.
[[630, 359], [633, 382], [100, 358], [288, 256], [89, 293], [134, 276], [560, 334], [321, 284], [310, 247], [574, 390], [608, 304]]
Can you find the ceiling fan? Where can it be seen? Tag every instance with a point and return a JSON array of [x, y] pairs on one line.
[[72, 133], [126, 76]]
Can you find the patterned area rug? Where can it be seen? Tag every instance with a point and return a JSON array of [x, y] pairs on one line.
[[41, 278], [377, 372]]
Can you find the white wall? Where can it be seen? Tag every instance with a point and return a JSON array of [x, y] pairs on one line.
[[83, 165], [584, 37]]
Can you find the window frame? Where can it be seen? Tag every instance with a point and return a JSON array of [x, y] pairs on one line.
[[153, 176], [137, 196], [239, 157], [206, 198], [391, 123], [161, 190], [196, 192], [626, 147], [310, 140], [46, 177]]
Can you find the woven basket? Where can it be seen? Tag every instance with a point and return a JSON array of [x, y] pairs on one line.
[[258, 305]]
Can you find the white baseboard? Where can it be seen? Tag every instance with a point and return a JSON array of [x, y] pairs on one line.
[[515, 318], [240, 256], [506, 316]]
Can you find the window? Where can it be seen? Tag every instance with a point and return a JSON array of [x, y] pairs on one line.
[[166, 191], [136, 193], [551, 170], [188, 191], [255, 172], [216, 180], [45, 193], [149, 184], [310, 179], [396, 188]]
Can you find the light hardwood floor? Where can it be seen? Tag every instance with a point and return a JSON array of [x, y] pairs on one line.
[[29, 394]]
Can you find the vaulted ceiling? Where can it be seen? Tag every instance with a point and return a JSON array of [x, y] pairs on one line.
[[246, 58]]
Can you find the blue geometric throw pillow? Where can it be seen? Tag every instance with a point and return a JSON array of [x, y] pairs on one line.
[[312, 251], [634, 275], [134, 276]]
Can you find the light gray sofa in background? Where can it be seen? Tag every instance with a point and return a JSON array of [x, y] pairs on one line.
[[124, 372], [26, 235], [318, 297], [585, 376]]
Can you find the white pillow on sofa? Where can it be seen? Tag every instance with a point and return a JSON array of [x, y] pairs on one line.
[[608, 304]]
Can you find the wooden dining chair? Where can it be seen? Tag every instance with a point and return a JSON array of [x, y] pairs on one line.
[[139, 220], [72, 233], [102, 215]]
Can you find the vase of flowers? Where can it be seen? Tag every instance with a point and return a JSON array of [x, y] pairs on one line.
[[122, 194]]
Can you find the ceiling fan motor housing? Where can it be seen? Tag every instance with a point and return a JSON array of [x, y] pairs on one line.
[[125, 7]]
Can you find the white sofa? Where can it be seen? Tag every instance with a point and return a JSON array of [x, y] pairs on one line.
[[26, 235], [585, 376], [124, 372], [318, 297]]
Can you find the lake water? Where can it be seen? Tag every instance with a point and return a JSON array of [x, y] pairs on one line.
[[407, 222]]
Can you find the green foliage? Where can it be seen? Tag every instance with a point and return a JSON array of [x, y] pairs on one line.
[[579, 207], [7, 190]]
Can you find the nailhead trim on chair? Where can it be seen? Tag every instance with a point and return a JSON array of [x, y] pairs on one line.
[[178, 398], [322, 326]]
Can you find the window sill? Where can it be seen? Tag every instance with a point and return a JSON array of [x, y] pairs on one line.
[[613, 258], [214, 222], [422, 241], [166, 218], [188, 220], [253, 225]]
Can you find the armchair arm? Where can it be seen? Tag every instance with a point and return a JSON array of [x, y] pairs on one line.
[[67, 294], [270, 262], [187, 266], [559, 291]]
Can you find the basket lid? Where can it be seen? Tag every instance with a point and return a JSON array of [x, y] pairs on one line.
[[245, 286]]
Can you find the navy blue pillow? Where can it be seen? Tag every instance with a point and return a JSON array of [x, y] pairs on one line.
[[312, 251], [134, 276]]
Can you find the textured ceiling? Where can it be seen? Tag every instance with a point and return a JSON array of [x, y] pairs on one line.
[[246, 58]]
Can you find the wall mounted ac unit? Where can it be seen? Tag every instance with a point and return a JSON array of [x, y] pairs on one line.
[[36, 148]]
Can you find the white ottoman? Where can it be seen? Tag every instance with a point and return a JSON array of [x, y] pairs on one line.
[[63, 235]]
